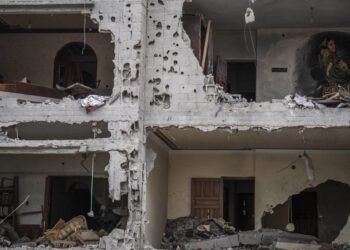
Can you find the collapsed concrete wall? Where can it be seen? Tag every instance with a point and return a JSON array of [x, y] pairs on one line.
[[278, 175], [330, 217], [157, 82], [277, 180]]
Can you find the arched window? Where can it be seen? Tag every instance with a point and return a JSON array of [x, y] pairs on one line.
[[75, 64]]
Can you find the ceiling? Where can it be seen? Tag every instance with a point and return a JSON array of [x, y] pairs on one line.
[[55, 131], [286, 138], [229, 14], [38, 21]]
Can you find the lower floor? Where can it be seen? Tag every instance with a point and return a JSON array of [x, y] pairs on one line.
[[278, 180], [299, 190], [41, 192]]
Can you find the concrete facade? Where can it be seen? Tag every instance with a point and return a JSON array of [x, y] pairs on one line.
[[158, 83]]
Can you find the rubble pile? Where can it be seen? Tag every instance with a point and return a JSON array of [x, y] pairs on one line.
[[74, 232], [69, 234], [339, 98], [192, 234], [180, 231]]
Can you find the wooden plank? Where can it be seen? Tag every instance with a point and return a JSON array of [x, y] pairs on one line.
[[206, 44], [30, 89]]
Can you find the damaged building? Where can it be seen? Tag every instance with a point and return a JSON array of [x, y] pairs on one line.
[[175, 124]]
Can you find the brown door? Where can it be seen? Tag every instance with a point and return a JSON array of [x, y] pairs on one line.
[[206, 198]]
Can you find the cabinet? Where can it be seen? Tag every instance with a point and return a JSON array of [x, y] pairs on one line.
[[8, 198]]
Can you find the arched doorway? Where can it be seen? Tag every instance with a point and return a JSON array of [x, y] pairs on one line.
[[75, 63]]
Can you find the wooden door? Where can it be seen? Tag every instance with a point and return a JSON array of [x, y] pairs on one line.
[[206, 200]]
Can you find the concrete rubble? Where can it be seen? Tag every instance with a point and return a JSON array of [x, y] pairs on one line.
[[193, 234], [157, 83]]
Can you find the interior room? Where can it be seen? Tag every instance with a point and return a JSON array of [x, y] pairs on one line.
[[245, 176], [53, 56], [250, 57], [52, 189]]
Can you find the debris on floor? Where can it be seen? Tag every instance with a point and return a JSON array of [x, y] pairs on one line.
[[188, 233], [9, 237], [339, 98], [72, 233], [298, 101], [180, 231]]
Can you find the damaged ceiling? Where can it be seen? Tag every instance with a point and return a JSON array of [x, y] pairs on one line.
[[228, 14], [337, 138]]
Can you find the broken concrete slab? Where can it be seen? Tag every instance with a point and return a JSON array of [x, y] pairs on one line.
[[250, 237], [296, 246], [269, 236], [217, 243]]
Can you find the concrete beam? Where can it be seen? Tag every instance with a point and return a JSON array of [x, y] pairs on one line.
[[45, 6], [62, 146], [268, 116]]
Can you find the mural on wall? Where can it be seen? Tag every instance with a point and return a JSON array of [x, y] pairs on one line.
[[324, 64]]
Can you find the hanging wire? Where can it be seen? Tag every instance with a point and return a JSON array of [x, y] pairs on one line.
[[84, 31], [290, 210], [91, 213]]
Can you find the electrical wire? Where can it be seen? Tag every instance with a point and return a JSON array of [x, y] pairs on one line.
[[84, 31], [18, 207]]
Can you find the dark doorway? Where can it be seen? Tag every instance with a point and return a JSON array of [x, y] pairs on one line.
[[304, 213], [241, 79], [239, 203], [69, 196], [75, 63]]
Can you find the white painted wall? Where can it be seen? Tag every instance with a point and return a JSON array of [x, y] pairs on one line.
[[234, 45], [274, 180], [278, 48], [33, 170], [33, 55], [273, 185], [157, 196], [186, 165]]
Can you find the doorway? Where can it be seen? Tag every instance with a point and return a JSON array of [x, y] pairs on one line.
[[241, 79], [304, 213], [228, 198], [238, 203]]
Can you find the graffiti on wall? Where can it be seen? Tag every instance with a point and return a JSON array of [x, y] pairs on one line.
[[325, 64]]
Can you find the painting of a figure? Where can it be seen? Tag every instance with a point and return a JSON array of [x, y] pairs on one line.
[[335, 64], [324, 65]]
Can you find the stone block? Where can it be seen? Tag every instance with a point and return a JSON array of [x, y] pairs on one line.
[[269, 236], [227, 242], [250, 237], [203, 245]]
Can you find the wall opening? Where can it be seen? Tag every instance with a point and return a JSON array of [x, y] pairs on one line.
[[238, 204], [57, 131], [75, 63], [69, 196], [55, 192], [321, 211], [74, 60], [241, 79]]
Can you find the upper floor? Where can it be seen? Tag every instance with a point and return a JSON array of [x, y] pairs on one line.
[[176, 63]]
